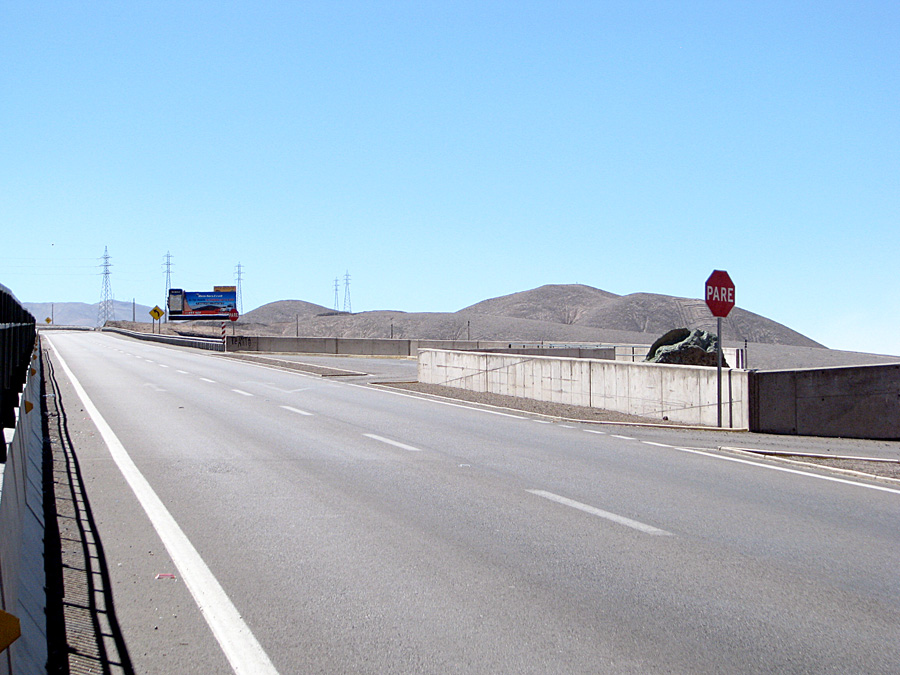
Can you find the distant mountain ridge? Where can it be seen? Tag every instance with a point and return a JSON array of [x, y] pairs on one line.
[[83, 314]]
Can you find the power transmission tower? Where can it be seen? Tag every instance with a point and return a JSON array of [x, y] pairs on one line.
[[168, 264], [107, 311], [347, 293], [239, 276], [337, 285]]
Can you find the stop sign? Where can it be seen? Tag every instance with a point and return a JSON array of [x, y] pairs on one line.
[[719, 293], [233, 314]]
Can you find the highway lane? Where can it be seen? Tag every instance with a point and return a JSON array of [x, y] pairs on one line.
[[357, 529]]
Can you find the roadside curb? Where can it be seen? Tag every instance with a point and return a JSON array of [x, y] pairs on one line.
[[786, 458]]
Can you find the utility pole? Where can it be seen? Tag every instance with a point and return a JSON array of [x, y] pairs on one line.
[[337, 285]]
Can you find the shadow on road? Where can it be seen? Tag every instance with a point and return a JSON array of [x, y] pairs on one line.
[[83, 632]]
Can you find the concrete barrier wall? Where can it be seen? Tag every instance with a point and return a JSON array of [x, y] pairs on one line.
[[392, 347], [736, 358], [22, 576], [209, 344], [608, 353], [850, 402], [345, 346], [681, 394]]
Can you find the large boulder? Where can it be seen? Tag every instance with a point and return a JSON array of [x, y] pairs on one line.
[[686, 348]]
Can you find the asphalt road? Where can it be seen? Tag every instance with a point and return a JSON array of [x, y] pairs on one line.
[[316, 525]]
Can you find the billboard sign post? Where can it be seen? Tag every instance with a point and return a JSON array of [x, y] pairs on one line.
[[202, 305]]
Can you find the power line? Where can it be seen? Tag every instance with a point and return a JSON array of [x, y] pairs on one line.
[[337, 285], [107, 311], [168, 258], [239, 276], [168, 264], [347, 292]]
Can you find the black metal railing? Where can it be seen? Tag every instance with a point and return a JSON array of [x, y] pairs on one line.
[[17, 333]]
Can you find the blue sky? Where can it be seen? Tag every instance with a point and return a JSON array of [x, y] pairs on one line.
[[448, 152]]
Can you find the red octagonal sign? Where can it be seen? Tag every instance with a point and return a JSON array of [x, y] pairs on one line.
[[233, 314], [719, 293]]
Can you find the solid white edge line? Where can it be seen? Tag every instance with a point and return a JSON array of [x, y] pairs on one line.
[[394, 392], [621, 520], [396, 444], [238, 643], [296, 410], [785, 469]]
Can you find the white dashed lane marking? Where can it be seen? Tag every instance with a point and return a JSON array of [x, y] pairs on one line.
[[396, 444], [296, 410], [600, 513]]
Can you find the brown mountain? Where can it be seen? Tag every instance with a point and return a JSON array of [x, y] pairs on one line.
[[561, 313], [656, 314], [556, 303], [284, 311], [647, 313]]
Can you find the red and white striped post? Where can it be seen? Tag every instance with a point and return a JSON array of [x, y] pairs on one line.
[[223, 334]]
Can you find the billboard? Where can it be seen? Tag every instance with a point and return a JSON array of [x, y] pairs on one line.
[[202, 304]]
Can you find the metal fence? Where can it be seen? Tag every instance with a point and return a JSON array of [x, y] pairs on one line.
[[17, 333]]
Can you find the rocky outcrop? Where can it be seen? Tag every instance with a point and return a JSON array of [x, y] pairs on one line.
[[686, 348]]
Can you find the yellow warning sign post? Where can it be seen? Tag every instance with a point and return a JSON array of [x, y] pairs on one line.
[[157, 314]]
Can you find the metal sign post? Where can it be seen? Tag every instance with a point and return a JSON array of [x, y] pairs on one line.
[[719, 293], [156, 314], [719, 373]]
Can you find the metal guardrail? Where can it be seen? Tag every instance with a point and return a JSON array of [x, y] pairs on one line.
[[17, 333], [210, 344]]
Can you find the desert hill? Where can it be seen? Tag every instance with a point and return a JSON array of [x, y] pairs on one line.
[[555, 303], [644, 313], [554, 313], [551, 313], [559, 313], [284, 311], [656, 314]]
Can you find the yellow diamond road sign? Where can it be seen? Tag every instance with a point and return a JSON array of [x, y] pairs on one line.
[[156, 313]]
